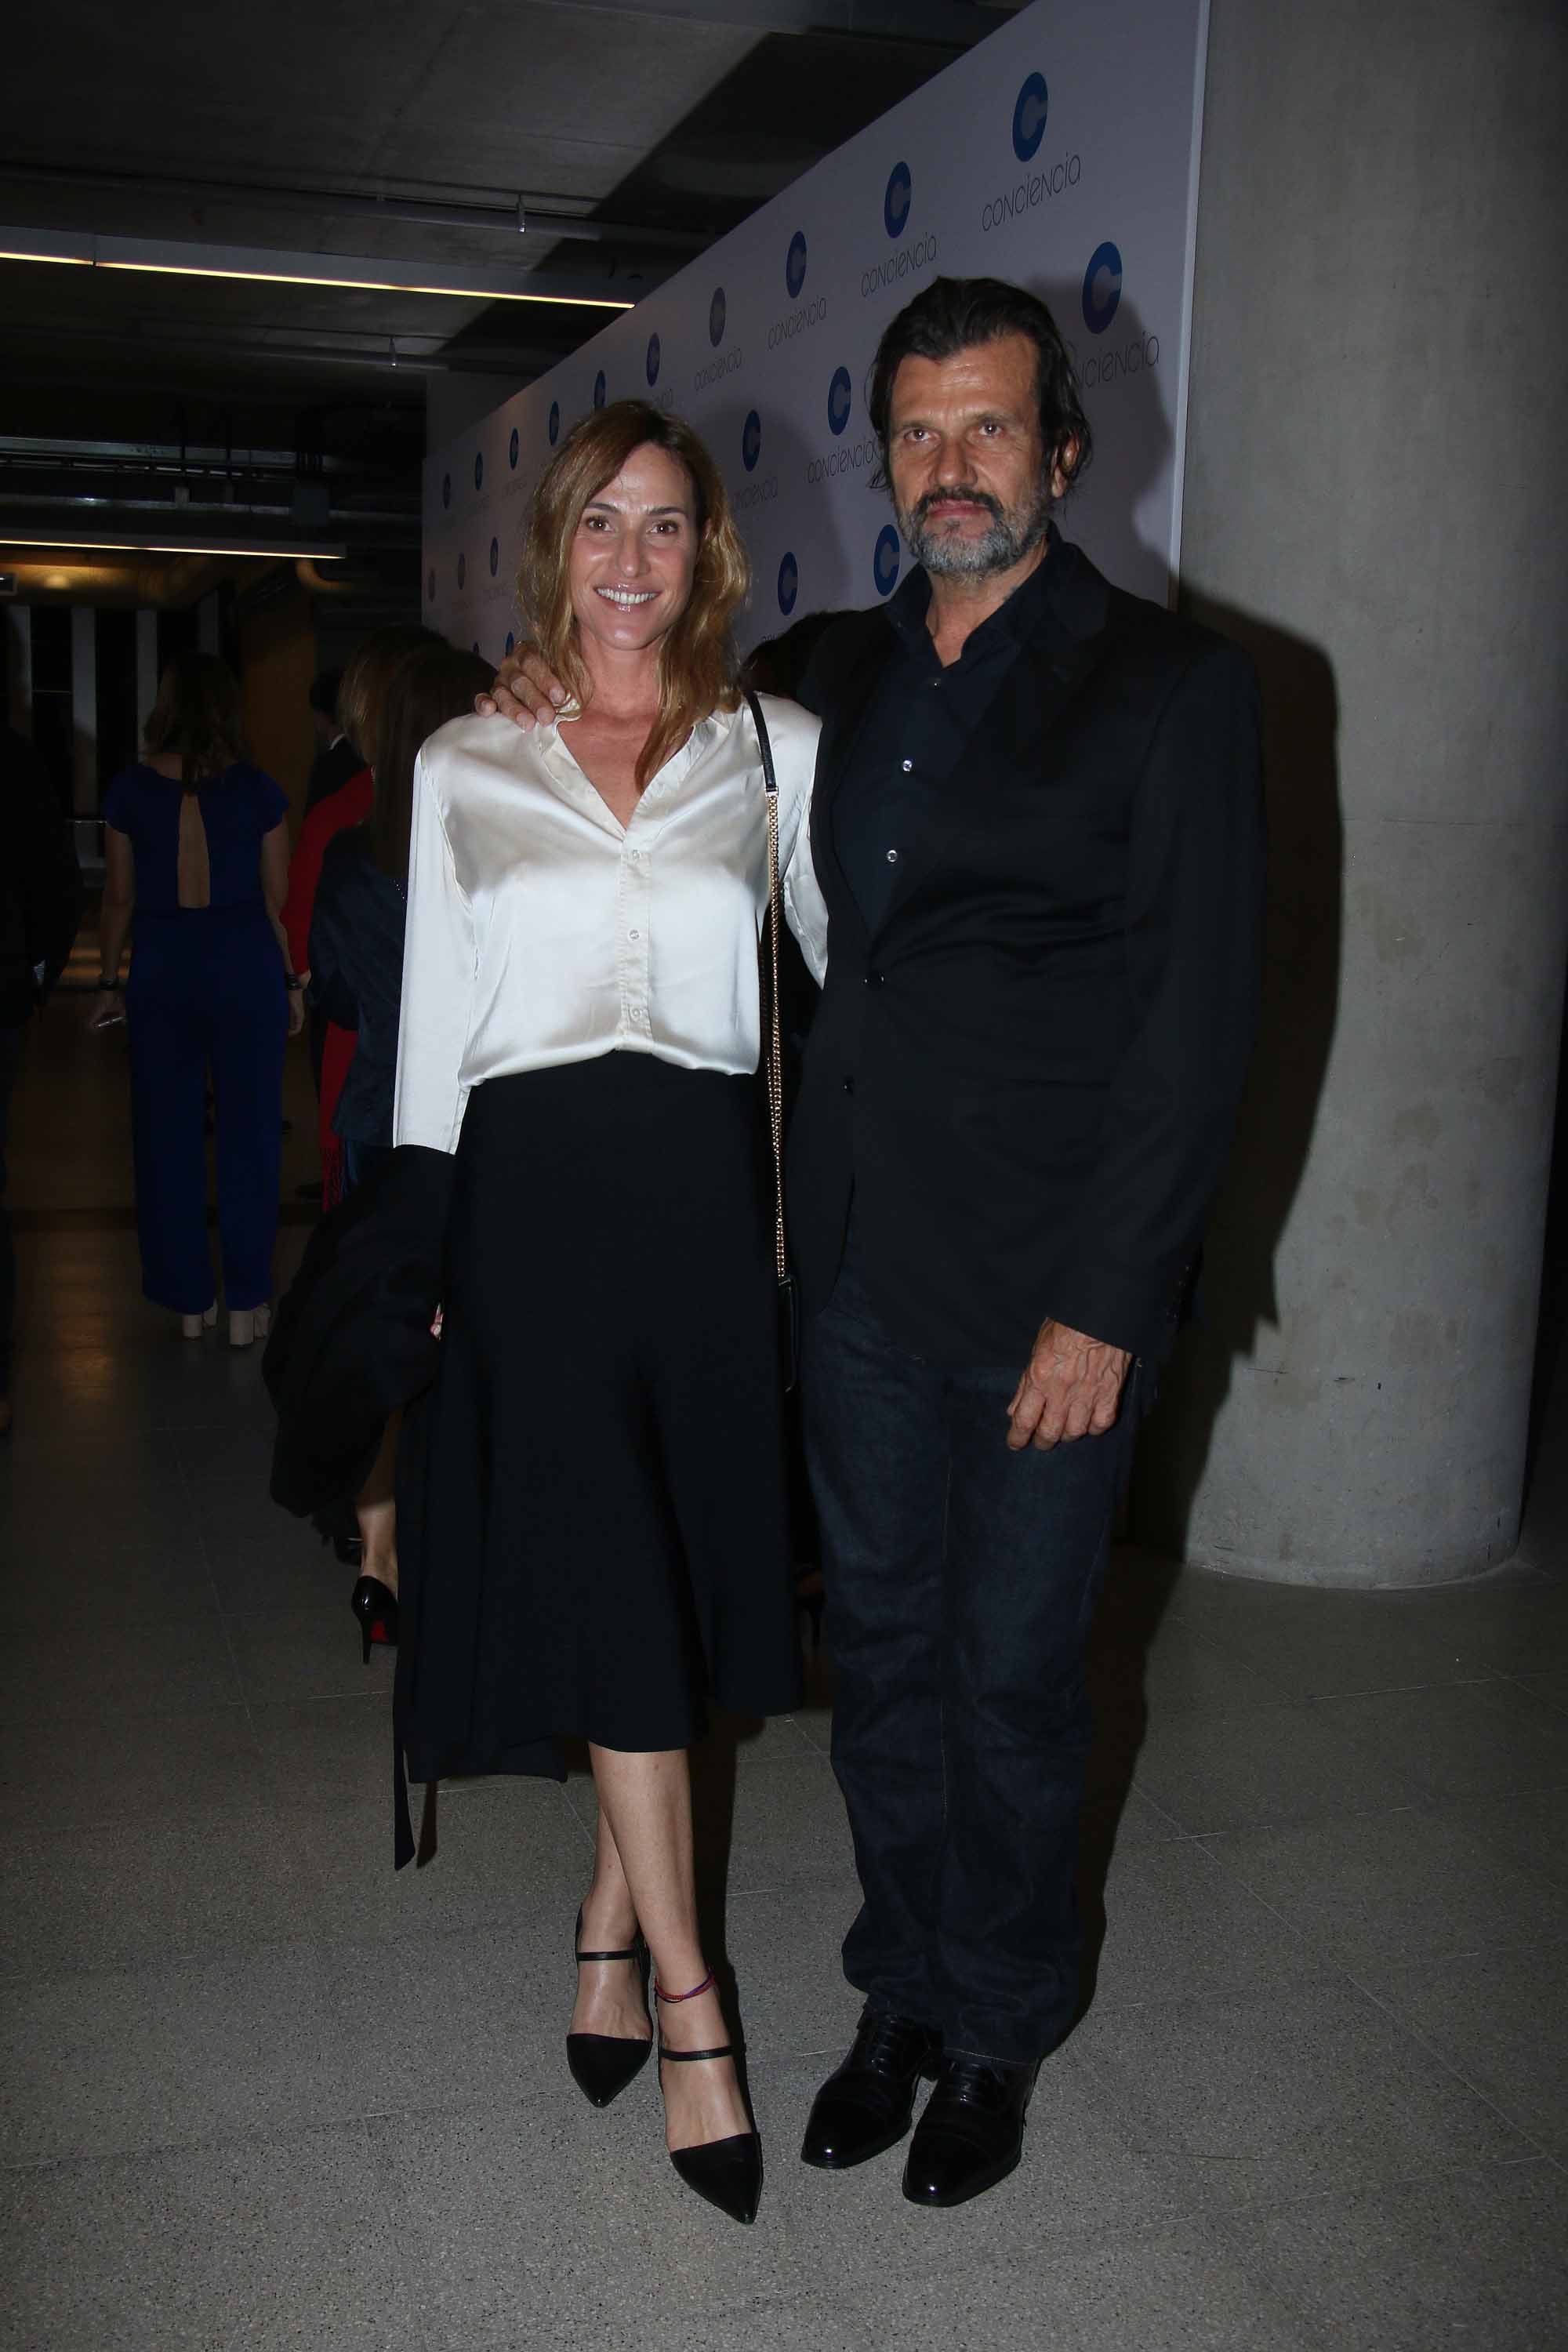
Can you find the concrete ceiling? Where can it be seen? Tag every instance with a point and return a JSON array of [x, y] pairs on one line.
[[633, 133]]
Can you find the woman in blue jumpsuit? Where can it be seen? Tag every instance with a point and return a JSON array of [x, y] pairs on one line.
[[197, 845]]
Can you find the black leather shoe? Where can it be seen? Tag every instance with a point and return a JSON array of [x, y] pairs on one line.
[[971, 2132], [866, 2105]]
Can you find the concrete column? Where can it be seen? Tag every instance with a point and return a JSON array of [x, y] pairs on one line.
[[84, 708], [1374, 506]]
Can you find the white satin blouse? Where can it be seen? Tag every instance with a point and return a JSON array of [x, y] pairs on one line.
[[540, 931]]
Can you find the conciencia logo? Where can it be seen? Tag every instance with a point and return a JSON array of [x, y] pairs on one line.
[[841, 399], [653, 357], [789, 583], [478, 469], [886, 560], [554, 422], [512, 450], [717, 312], [1030, 114], [752, 442], [1101, 287], [897, 200], [794, 265], [1038, 189], [495, 557]]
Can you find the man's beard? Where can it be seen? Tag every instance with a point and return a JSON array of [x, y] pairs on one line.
[[1012, 531]]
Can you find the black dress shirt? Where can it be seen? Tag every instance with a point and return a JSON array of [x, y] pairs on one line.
[[916, 728], [1025, 1075]]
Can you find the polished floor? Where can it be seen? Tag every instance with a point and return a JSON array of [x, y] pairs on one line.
[[258, 2091]]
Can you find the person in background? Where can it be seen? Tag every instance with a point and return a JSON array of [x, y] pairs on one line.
[[336, 762], [356, 978], [41, 903], [360, 696], [196, 846]]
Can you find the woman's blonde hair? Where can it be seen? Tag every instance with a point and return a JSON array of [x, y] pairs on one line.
[[696, 666]]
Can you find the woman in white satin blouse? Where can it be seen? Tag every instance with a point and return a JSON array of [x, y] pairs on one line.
[[605, 1544]]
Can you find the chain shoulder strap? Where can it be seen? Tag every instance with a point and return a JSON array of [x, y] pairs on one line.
[[773, 1054]]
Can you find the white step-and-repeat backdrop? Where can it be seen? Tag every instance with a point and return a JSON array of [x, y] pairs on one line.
[[1061, 152]]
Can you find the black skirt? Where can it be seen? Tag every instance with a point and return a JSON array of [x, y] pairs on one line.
[[603, 1544]]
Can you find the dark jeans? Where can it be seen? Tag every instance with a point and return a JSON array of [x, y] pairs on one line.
[[961, 1580]]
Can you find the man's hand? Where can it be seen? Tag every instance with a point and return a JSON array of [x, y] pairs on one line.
[[525, 691], [1071, 1387]]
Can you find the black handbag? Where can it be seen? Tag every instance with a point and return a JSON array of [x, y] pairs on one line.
[[772, 1063]]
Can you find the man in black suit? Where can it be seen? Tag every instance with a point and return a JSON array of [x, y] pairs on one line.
[[1037, 826]]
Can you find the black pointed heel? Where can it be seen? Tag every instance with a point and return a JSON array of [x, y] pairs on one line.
[[601, 2065], [728, 2173], [375, 1612]]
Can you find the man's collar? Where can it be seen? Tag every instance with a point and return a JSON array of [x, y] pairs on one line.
[[1048, 589]]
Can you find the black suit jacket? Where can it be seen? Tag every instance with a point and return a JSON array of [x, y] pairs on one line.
[[1028, 1077], [337, 765]]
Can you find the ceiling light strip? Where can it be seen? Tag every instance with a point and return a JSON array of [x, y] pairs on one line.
[[261, 265], [147, 546]]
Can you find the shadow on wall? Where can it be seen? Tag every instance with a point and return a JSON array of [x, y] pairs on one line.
[[1300, 1005], [1122, 401]]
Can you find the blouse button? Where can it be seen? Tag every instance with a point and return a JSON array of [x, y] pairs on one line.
[[908, 765], [892, 860], [634, 935]]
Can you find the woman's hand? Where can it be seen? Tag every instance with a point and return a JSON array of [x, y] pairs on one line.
[[296, 1011], [107, 1008], [525, 691]]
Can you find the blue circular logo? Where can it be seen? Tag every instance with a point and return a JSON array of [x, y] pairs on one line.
[[789, 583], [653, 359], [599, 389], [446, 489], [794, 263], [841, 399], [510, 641], [752, 442], [554, 421], [479, 467], [431, 585], [716, 314], [1101, 287], [512, 450], [462, 569], [896, 203], [495, 557], [886, 561], [1029, 117]]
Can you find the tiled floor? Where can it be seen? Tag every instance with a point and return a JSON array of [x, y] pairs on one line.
[[261, 2092]]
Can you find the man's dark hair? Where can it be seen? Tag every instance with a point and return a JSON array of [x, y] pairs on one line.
[[953, 315], [324, 692]]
